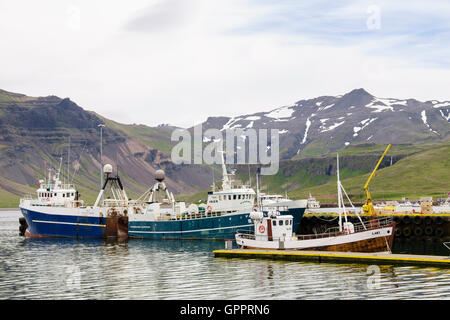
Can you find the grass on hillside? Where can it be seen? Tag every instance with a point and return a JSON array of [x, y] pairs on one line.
[[423, 174]]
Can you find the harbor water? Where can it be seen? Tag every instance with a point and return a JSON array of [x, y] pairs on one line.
[[172, 269]]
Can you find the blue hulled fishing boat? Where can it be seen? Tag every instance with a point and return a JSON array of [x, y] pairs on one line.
[[226, 211]]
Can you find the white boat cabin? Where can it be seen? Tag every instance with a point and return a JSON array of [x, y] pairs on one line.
[[272, 227], [55, 193], [313, 203], [267, 199], [231, 200]]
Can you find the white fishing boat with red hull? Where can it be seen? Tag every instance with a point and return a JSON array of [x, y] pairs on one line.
[[274, 231]]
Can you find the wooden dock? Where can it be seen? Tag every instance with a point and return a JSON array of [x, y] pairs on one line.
[[337, 257]]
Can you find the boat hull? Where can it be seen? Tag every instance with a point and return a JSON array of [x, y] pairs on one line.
[[373, 240], [218, 228], [71, 223]]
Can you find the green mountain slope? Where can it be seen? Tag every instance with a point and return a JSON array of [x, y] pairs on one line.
[[425, 173]]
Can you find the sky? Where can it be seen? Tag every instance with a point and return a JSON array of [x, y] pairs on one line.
[[180, 61]]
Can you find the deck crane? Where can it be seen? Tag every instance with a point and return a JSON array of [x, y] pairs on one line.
[[368, 205]]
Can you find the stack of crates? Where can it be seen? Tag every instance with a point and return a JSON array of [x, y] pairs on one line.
[[426, 207]]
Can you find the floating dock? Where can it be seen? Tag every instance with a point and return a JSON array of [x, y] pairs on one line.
[[340, 257]]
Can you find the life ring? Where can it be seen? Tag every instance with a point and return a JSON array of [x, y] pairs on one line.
[[208, 208], [261, 229]]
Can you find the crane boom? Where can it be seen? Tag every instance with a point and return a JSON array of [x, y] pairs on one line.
[[368, 206]]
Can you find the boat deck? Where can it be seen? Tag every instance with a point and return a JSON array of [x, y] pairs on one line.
[[340, 257]]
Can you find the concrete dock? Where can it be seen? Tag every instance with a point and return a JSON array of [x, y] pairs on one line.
[[339, 257]]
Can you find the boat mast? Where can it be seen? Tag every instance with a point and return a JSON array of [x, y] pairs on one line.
[[59, 170], [101, 155], [258, 199], [68, 162], [213, 180], [226, 183], [339, 194]]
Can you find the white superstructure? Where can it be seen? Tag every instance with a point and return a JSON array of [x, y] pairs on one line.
[[230, 199]]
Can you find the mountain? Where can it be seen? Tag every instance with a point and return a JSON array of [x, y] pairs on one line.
[[35, 131], [34, 135], [319, 126]]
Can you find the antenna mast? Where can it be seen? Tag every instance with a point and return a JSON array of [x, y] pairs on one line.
[[68, 162]]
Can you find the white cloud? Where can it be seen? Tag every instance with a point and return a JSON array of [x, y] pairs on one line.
[[151, 62]]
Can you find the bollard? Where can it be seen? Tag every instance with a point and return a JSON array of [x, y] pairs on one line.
[[228, 244]]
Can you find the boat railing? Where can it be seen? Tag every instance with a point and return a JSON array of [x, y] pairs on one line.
[[372, 223], [113, 203], [26, 197], [52, 186], [199, 215]]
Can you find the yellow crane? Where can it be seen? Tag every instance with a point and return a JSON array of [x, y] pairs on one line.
[[368, 205]]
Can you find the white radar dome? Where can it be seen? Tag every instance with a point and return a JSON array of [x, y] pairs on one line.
[[107, 168], [160, 175]]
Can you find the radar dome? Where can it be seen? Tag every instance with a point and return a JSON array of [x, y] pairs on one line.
[[107, 168], [160, 175]]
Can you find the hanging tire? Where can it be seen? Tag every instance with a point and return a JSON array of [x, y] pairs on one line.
[[428, 230], [439, 220], [407, 231], [418, 231], [428, 220], [417, 220], [439, 232], [398, 232], [397, 220], [406, 219]]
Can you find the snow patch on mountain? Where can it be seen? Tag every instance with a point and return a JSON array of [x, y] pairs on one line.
[[423, 115], [364, 124], [328, 107], [253, 118], [445, 117], [384, 104], [308, 124], [283, 112], [442, 104], [229, 123], [334, 126], [379, 106]]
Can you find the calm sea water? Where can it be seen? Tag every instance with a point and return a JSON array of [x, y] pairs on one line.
[[146, 269]]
